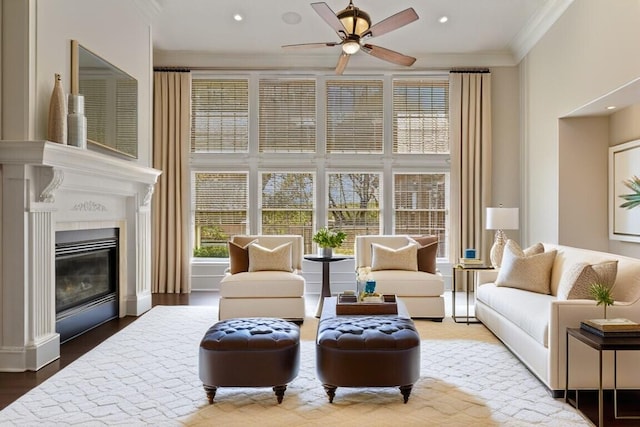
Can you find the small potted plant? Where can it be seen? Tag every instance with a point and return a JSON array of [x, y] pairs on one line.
[[602, 294], [328, 239]]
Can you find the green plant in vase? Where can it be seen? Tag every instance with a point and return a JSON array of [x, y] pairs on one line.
[[602, 294], [328, 239]]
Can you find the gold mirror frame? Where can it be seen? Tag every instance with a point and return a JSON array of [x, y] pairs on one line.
[[110, 101]]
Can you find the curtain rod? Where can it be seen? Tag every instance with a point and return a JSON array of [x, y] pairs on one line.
[[469, 70], [173, 69]]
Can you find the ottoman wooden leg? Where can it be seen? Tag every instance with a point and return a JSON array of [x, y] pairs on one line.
[[406, 391], [279, 390], [211, 392], [331, 391]]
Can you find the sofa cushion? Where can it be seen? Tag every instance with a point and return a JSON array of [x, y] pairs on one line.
[[427, 253], [265, 259], [385, 258], [262, 284], [239, 257], [528, 310], [578, 278], [531, 273]]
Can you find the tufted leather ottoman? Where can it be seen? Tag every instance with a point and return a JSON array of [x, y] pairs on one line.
[[249, 352], [367, 351]]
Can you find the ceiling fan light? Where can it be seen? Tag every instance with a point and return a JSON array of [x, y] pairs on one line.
[[355, 21], [350, 47]]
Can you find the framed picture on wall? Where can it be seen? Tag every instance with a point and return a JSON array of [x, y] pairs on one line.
[[624, 191]]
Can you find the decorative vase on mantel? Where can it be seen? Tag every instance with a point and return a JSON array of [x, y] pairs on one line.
[[57, 128], [76, 122]]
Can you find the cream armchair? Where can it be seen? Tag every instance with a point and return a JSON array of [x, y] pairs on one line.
[[264, 278], [421, 291]]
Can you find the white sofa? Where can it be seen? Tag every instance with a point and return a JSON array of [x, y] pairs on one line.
[[533, 325], [265, 293], [421, 292]]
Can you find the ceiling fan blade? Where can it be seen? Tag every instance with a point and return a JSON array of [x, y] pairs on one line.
[[393, 22], [330, 18], [388, 55], [309, 45], [342, 63]]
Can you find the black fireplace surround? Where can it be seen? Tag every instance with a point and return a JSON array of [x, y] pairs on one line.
[[86, 272]]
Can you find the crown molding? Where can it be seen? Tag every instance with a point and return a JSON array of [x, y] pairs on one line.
[[537, 26], [228, 61]]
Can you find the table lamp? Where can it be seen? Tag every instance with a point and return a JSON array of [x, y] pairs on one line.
[[500, 219]]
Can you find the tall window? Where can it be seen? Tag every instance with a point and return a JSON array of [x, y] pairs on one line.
[[286, 154], [420, 116], [220, 211], [287, 116], [219, 116], [354, 116], [354, 205], [420, 205], [287, 204]]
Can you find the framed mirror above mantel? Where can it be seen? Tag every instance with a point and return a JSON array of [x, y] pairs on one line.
[[110, 101]]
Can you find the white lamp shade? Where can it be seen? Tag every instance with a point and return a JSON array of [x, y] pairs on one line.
[[502, 219]]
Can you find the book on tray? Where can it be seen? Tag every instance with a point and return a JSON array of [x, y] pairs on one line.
[[611, 327], [472, 261]]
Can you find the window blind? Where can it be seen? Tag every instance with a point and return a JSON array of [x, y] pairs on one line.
[[287, 117], [420, 205], [219, 115], [221, 201], [421, 116], [354, 116]]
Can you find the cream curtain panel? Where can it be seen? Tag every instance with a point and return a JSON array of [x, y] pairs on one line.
[[470, 115], [170, 214]]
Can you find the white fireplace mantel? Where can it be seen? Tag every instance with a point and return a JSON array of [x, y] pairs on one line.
[[49, 187]]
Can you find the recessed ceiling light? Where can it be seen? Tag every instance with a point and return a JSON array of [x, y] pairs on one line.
[[238, 17], [611, 107], [291, 18], [443, 19]]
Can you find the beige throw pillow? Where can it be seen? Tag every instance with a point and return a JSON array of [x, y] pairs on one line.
[[404, 258], [265, 259], [578, 278], [530, 273]]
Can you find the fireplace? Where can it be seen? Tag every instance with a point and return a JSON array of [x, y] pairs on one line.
[[86, 280]]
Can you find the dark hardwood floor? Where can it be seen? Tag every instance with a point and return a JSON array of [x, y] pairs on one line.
[[15, 384]]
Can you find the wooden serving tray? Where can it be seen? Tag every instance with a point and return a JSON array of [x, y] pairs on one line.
[[348, 304]]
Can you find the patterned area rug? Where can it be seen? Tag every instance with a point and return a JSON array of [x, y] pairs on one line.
[[147, 374]]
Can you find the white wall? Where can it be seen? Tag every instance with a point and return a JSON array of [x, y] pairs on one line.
[[505, 83], [590, 51], [116, 30], [583, 159]]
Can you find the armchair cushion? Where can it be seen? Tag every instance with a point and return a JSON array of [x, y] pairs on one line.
[[239, 257], [404, 258], [265, 259], [578, 278]]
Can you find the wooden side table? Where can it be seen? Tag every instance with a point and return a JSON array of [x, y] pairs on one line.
[[326, 285], [615, 344], [471, 284]]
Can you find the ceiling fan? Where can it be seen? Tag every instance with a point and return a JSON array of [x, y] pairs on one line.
[[353, 26]]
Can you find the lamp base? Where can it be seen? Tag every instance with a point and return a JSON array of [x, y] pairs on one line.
[[497, 249]]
